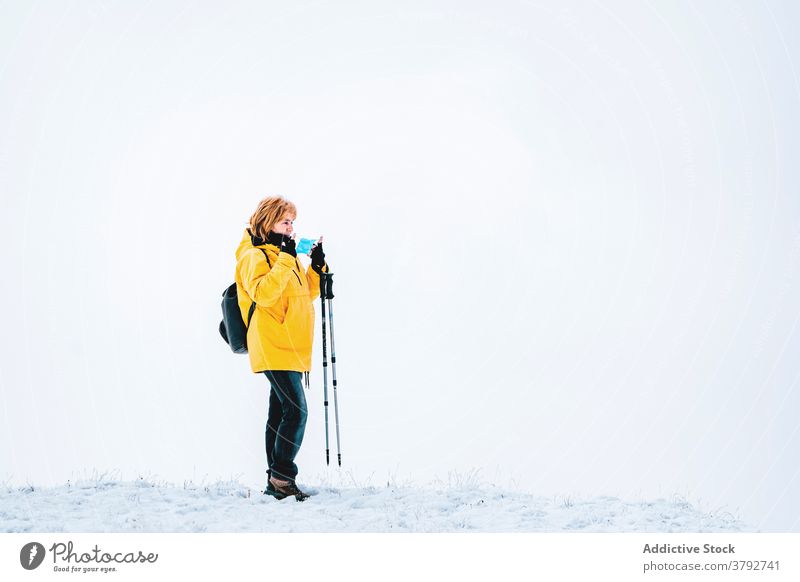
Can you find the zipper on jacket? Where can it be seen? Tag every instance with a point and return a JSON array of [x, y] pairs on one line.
[[295, 272]]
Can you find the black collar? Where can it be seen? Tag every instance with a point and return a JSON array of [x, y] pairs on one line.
[[273, 238], [256, 240]]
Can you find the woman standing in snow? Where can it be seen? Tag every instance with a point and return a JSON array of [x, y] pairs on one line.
[[281, 330]]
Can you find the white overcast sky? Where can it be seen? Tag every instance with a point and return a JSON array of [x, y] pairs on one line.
[[566, 239]]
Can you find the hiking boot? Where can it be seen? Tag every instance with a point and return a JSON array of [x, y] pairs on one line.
[[280, 489], [270, 490]]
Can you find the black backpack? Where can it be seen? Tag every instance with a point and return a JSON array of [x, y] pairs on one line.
[[232, 329]]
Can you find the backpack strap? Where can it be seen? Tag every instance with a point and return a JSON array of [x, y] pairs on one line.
[[253, 304], [266, 257]]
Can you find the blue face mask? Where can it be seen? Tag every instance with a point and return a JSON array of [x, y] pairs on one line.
[[304, 245]]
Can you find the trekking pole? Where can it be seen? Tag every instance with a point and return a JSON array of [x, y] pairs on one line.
[[329, 297], [322, 285]]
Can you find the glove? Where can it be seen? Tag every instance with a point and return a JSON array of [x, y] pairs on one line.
[[288, 246], [284, 242], [317, 257]]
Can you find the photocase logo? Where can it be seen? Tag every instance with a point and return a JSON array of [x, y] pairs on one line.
[[31, 555]]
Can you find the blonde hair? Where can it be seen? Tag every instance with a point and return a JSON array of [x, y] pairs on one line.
[[269, 212]]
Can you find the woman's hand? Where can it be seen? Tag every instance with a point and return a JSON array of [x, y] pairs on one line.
[[317, 256], [288, 245]]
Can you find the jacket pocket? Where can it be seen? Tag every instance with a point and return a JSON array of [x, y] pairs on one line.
[[275, 314]]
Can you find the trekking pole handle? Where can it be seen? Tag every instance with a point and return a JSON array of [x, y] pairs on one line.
[[326, 285]]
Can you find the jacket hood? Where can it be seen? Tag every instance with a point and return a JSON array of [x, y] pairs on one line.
[[251, 241]]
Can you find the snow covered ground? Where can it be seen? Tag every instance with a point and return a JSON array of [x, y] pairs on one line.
[[459, 505]]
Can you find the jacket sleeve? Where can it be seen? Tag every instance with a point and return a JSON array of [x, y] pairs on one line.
[[313, 280], [262, 284]]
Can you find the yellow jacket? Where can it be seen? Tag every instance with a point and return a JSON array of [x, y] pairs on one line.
[[281, 330]]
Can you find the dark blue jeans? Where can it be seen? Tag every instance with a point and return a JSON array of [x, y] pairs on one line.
[[286, 422]]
